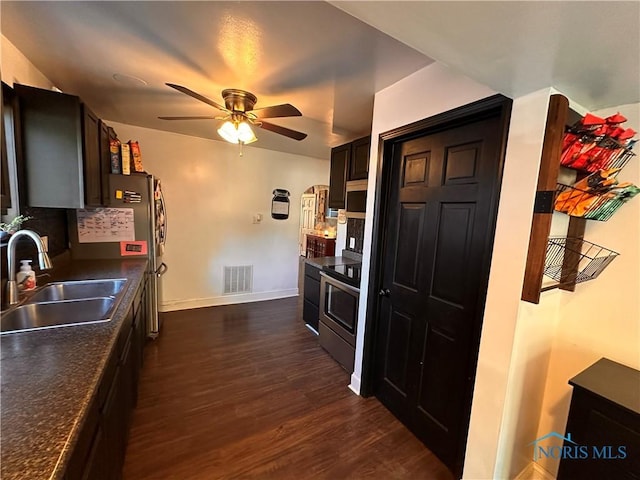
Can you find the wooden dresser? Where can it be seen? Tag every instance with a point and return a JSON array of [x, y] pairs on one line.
[[604, 417], [320, 246]]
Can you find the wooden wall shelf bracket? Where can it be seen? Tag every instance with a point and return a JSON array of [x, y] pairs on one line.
[[547, 178]]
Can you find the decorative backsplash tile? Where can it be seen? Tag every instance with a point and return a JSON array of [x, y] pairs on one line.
[[355, 229]]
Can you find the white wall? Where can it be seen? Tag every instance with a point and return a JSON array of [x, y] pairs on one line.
[[496, 418], [212, 194], [531, 355], [602, 317], [16, 68]]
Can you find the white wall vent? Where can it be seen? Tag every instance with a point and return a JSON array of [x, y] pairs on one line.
[[238, 279]]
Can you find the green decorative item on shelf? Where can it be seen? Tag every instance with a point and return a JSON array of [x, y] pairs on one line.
[[14, 225], [596, 197]]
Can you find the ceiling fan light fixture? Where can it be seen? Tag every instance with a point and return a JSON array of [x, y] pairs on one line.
[[241, 115], [237, 133], [245, 133]]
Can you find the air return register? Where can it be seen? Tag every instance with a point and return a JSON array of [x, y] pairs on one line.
[[238, 279]]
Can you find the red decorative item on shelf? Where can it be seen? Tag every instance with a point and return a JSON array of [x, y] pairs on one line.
[[595, 143]]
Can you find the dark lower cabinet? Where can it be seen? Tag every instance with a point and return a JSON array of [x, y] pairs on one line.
[[310, 307], [113, 425], [100, 450], [602, 439], [95, 467]]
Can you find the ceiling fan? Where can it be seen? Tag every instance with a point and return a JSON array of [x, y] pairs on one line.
[[239, 115]]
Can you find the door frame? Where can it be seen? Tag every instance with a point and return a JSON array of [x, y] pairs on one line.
[[488, 107]]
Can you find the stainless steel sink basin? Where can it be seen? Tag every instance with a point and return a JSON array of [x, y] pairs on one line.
[[74, 290], [35, 316]]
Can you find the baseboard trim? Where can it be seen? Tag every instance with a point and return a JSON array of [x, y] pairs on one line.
[[533, 471], [354, 386], [171, 306]]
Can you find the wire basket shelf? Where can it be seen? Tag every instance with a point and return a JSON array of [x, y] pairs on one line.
[[590, 153], [572, 260], [590, 205]]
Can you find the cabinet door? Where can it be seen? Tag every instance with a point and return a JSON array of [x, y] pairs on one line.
[[97, 463], [330, 247], [137, 341], [310, 314], [359, 164], [114, 428], [51, 126], [312, 290], [128, 380], [91, 157], [105, 161], [338, 175], [142, 324], [84, 451]]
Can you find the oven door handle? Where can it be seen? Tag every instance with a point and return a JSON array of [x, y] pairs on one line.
[[339, 283]]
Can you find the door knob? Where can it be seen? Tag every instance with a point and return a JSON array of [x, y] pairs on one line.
[[384, 292]]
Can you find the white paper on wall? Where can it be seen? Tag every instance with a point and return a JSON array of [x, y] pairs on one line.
[[105, 225]]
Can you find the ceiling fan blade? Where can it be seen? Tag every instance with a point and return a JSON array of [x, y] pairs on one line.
[[187, 118], [287, 132], [197, 96], [284, 110]]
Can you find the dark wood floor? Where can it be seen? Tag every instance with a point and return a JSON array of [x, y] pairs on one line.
[[244, 391]]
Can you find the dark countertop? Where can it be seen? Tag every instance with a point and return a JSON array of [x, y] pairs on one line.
[[612, 381], [49, 378], [320, 262]]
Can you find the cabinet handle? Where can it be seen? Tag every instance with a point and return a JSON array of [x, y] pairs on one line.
[[384, 292]]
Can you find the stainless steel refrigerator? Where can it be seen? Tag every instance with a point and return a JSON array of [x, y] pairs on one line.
[[133, 225]]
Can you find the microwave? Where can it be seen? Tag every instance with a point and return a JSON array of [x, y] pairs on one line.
[[356, 198]]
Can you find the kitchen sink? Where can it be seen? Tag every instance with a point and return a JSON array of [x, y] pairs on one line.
[[36, 316], [74, 290]]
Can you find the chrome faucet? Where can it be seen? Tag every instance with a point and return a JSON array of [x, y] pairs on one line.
[[43, 261]]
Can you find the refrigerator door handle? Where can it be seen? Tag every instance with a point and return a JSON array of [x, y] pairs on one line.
[[162, 269], [163, 234]]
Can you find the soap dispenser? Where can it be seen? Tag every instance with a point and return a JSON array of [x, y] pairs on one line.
[[26, 277]]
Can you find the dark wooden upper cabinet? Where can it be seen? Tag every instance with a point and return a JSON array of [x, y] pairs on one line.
[[91, 157], [106, 134], [338, 175], [359, 164], [61, 149], [348, 162], [5, 185]]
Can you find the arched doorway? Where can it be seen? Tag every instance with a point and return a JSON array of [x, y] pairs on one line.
[[315, 216]]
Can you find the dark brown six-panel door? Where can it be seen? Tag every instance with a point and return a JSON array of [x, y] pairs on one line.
[[440, 214]]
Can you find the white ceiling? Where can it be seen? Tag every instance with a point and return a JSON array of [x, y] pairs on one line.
[[310, 54], [589, 50], [317, 57]]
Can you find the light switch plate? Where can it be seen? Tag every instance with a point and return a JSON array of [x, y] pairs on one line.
[[352, 242]]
